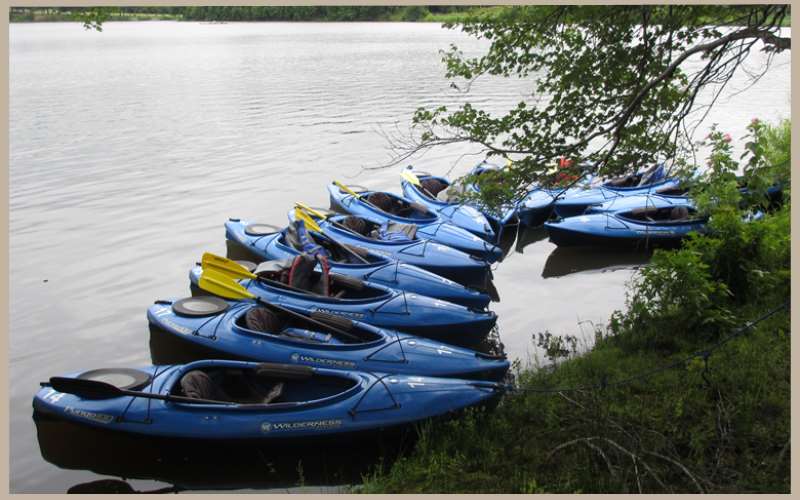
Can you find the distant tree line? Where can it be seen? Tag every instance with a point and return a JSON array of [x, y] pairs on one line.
[[244, 13]]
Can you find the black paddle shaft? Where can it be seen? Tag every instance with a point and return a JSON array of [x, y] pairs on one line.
[[95, 389], [345, 247], [304, 317]]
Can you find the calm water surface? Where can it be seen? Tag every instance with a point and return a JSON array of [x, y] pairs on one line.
[[131, 147]]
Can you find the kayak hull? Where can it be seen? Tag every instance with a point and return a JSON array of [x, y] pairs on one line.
[[396, 310], [576, 202], [466, 216], [432, 227], [382, 270], [537, 206], [458, 214], [223, 337], [443, 260], [365, 402], [610, 229]]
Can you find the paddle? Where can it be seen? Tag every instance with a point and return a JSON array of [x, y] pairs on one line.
[[312, 224], [232, 269], [359, 197], [95, 389], [333, 222], [217, 278], [312, 211], [350, 191], [413, 179]]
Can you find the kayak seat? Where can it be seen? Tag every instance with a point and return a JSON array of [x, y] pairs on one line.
[[198, 385], [382, 201], [395, 206], [679, 213], [262, 319], [235, 386], [433, 186], [303, 277], [356, 224]]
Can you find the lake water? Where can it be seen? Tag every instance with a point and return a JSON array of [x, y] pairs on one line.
[[131, 147]]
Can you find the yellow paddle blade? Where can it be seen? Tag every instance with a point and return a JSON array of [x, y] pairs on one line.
[[225, 266], [309, 222], [310, 210], [220, 284], [508, 162], [410, 177], [346, 189]]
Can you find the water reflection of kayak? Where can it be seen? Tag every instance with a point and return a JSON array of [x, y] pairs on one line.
[[203, 465], [569, 260], [530, 235]]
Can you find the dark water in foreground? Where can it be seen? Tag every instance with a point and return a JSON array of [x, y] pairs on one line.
[[131, 147]]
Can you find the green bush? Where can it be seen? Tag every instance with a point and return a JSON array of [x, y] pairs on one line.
[[667, 400]]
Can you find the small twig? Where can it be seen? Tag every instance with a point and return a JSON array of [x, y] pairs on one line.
[[634, 458], [680, 465], [783, 452]]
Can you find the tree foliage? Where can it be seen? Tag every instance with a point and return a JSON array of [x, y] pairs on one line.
[[611, 85]]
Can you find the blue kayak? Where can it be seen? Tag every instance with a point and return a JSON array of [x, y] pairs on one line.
[[379, 269], [520, 215], [250, 332], [460, 214], [538, 205], [236, 400], [434, 257], [576, 202], [640, 221], [427, 224], [382, 307]]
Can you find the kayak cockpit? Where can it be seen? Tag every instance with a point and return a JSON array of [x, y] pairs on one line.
[[672, 191], [258, 385], [304, 280], [677, 215], [388, 232], [400, 208], [652, 175], [434, 189], [334, 250], [261, 321]]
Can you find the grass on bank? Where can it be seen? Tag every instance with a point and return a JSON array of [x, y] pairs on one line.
[[716, 421]]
